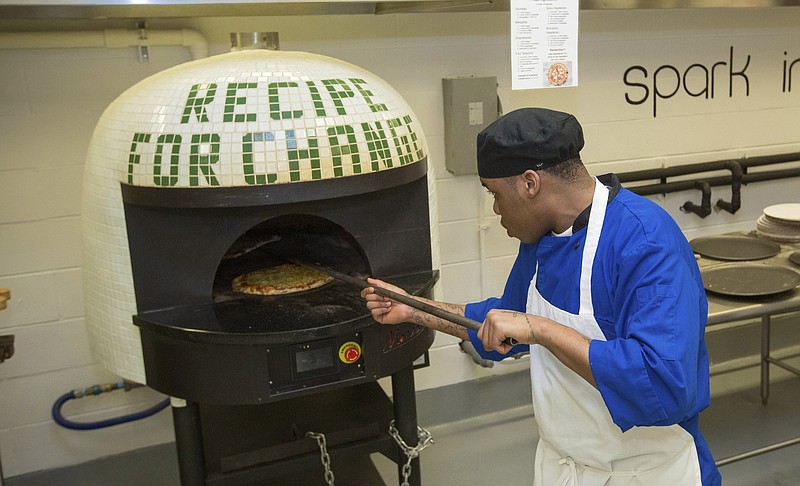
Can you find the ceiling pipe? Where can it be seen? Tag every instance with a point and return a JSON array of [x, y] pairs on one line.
[[241, 41], [108, 38]]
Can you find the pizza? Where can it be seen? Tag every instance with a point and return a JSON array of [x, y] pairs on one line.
[[282, 279], [557, 74]]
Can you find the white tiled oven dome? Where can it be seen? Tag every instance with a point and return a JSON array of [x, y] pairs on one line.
[[251, 117]]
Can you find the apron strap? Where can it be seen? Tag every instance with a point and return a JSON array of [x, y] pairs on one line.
[[596, 218], [569, 475], [569, 472]]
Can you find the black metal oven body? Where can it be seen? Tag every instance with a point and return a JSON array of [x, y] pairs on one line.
[[228, 355]]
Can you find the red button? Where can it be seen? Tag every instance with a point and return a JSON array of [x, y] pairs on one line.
[[349, 352], [352, 355]]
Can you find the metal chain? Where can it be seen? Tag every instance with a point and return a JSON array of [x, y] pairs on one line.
[[324, 457], [424, 441]]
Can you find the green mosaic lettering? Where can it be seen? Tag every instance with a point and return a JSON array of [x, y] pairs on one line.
[[297, 155], [406, 144], [204, 151], [231, 100], [341, 147], [275, 101], [316, 98], [337, 95], [248, 160], [174, 141], [367, 94], [418, 152], [378, 146], [196, 102], [133, 157]]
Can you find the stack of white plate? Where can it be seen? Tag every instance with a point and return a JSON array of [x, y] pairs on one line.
[[780, 222]]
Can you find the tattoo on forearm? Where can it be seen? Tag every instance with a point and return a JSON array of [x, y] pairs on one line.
[[428, 320], [454, 308], [531, 335]]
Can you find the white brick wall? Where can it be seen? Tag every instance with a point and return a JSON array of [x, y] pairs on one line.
[[51, 99]]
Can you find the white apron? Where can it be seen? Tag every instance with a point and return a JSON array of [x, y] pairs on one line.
[[579, 444]]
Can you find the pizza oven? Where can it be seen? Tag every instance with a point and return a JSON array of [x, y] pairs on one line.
[[203, 341], [248, 160]]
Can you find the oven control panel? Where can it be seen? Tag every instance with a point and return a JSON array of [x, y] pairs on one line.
[[311, 364]]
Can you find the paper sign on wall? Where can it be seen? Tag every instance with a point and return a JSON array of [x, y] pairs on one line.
[[544, 43]]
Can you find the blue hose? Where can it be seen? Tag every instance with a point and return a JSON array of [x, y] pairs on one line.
[[96, 390]]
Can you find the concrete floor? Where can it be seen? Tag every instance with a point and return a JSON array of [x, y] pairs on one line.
[[498, 448], [493, 447]]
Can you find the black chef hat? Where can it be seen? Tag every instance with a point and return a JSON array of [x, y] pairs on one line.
[[527, 138]]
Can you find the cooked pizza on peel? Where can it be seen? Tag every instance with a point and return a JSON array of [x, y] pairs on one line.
[[283, 279]]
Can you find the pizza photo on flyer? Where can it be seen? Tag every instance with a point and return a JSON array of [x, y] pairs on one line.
[[557, 74]]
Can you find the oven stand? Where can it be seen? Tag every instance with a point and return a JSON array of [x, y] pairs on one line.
[[405, 412], [189, 441]]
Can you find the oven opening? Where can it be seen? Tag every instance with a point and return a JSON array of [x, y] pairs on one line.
[[283, 240]]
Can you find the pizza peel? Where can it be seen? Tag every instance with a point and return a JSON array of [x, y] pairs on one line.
[[403, 299]]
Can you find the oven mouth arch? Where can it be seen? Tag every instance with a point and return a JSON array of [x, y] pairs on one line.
[[300, 236], [291, 239]]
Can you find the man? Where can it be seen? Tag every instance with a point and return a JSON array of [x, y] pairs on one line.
[[606, 295]]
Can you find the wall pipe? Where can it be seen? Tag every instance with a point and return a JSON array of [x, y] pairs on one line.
[[679, 170], [108, 38], [736, 188], [669, 187], [665, 187], [704, 209]]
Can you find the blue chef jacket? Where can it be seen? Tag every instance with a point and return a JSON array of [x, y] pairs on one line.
[[649, 302]]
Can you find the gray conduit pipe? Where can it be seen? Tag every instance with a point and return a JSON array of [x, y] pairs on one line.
[[108, 38]]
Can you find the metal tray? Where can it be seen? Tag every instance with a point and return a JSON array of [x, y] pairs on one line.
[[749, 280], [734, 248]]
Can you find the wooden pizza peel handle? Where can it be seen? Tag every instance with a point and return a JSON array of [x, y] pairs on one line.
[[403, 299]]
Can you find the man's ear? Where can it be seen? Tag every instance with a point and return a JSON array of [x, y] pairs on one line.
[[533, 182]]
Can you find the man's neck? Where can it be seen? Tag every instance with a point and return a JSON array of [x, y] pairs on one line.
[[571, 200]]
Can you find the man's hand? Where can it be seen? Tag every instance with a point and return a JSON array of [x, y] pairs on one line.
[[385, 310], [567, 345], [502, 324]]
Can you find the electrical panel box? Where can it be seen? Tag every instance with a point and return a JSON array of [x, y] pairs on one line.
[[470, 104]]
